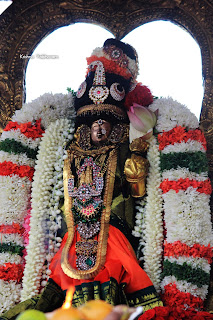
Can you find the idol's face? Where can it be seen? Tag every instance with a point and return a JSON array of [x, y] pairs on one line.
[[100, 131]]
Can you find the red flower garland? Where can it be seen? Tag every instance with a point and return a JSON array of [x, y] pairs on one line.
[[170, 313], [8, 168], [183, 184], [178, 248], [179, 134], [175, 298], [28, 129], [110, 66], [14, 228], [11, 271], [140, 95]]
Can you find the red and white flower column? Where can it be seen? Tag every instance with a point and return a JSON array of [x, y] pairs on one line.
[[186, 193], [19, 144], [186, 190], [18, 147]]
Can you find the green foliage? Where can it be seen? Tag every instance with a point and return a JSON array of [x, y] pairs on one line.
[[195, 161]]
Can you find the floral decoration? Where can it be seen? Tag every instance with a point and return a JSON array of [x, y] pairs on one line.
[[174, 313], [173, 114], [28, 129], [180, 134], [185, 190], [47, 190], [19, 144], [177, 183], [140, 95], [149, 223]]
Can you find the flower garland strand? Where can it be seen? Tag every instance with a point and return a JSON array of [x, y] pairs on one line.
[[153, 233], [173, 313], [18, 148], [17, 160], [48, 172], [186, 192]]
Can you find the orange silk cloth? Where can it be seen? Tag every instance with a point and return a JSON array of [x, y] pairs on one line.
[[121, 264]]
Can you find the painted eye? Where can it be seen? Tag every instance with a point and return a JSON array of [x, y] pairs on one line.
[[81, 90], [117, 91]]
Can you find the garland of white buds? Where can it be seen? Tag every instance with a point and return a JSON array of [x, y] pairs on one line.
[[154, 217], [47, 188]]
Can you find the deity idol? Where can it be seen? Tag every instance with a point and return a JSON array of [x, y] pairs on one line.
[[81, 229]]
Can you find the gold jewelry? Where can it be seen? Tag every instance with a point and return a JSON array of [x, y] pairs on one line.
[[103, 235]]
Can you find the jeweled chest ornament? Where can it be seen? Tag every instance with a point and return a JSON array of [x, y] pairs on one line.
[[86, 199], [87, 196]]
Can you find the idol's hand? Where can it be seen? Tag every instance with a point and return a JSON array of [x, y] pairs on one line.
[[136, 170], [139, 146]]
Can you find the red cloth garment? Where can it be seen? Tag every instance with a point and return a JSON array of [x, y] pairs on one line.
[[121, 264]]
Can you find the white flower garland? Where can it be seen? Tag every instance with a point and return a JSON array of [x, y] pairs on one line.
[[187, 214], [175, 174], [48, 107], [187, 217], [9, 294], [14, 197], [171, 114], [12, 258], [48, 172], [12, 238], [153, 218], [138, 230], [189, 146]]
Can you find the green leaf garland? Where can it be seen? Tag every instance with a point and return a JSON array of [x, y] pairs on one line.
[[195, 161], [13, 146], [11, 248], [185, 272]]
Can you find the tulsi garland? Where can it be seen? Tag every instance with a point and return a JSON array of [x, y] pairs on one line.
[[186, 272], [12, 248]]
